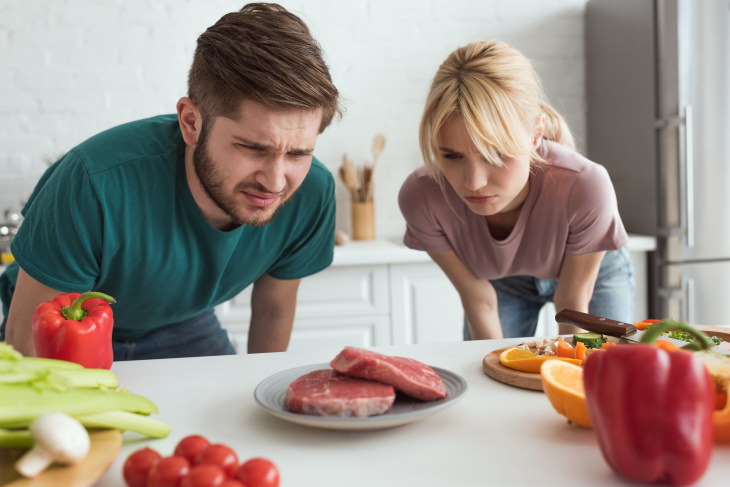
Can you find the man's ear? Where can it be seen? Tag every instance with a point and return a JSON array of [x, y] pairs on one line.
[[190, 120], [539, 130]]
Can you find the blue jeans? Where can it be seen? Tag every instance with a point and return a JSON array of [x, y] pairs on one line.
[[520, 298], [199, 336]]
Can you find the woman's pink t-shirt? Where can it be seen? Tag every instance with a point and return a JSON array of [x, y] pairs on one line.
[[570, 210]]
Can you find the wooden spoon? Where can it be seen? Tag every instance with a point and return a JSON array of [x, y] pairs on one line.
[[348, 173], [378, 146]]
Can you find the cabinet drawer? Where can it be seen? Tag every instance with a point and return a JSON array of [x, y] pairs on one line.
[[336, 291], [326, 333]]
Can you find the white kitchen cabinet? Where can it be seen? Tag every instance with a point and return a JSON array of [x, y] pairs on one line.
[[425, 306], [375, 293]]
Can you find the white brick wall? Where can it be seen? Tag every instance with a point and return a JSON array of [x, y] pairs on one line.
[[71, 68]]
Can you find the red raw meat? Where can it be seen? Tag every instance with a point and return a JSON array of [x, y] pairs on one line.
[[329, 393], [407, 375]]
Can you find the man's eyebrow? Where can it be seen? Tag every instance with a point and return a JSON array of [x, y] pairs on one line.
[[258, 146]]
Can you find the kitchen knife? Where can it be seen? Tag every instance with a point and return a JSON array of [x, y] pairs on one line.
[[605, 326]]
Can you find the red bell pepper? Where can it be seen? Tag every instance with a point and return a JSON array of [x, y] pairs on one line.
[[75, 327], [652, 409]]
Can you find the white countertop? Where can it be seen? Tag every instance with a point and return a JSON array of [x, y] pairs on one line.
[[495, 435], [392, 251]]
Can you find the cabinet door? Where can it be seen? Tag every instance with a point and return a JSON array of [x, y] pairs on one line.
[[335, 291], [344, 305], [425, 306], [326, 333]]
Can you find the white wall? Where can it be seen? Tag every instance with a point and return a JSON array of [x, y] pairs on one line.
[[70, 68]]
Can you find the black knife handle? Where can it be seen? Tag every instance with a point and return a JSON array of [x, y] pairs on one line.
[[594, 323]]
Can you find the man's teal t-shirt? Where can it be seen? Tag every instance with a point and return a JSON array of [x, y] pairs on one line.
[[116, 215]]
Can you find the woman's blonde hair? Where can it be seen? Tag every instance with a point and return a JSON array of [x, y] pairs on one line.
[[497, 92]]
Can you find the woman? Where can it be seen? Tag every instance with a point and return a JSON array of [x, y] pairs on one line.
[[512, 214]]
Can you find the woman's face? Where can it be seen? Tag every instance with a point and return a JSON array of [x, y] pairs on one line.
[[485, 188]]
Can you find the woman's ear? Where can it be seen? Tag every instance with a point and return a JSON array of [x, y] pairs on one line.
[[539, 130], [190, 121]]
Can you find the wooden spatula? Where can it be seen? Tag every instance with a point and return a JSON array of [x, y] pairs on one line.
[[105, 446]]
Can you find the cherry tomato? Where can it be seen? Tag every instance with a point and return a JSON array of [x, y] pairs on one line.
[[219, 454], [168, 472], [229, 482], [258, 472], [204, 475], [137, 466], [190, 446]]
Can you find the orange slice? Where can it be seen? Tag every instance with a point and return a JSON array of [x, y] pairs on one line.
[[721, 421], [563, 385], [526, 361]]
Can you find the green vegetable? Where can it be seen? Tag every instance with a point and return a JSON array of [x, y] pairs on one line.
[[591, 340], [686, 337], [15, 438], [21, 404], [31, 387], [126, 421]]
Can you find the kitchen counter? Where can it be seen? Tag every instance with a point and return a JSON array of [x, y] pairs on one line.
[[495, 435]]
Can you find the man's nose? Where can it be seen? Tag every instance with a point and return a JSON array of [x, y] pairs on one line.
[[272, 174]]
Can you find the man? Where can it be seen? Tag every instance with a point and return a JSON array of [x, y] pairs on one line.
[[173, 215]]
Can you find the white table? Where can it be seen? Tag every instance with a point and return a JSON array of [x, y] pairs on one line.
[[496, 435]]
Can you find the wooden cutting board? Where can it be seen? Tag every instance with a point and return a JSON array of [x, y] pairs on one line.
[[517, 378], [105, 446], [527, 380]]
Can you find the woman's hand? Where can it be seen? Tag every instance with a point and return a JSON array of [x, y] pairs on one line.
[[575, 285]]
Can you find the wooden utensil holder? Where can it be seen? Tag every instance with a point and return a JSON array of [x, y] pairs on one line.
[[363, 220]]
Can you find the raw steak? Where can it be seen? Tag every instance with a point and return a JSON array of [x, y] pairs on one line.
[[329, 393], [407, 375]]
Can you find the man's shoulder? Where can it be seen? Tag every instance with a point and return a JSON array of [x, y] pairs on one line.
[[319, 171], [154, 137], [319, 180]]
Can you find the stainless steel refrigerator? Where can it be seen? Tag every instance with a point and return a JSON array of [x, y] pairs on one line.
[[658, 98]]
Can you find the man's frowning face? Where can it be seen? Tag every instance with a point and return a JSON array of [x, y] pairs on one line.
[[250, 167]]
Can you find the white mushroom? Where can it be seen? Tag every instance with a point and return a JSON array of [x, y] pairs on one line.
[[57, 437]]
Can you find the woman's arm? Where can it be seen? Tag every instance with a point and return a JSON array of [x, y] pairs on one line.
[[575, 284], [477, 296], [273, 302]]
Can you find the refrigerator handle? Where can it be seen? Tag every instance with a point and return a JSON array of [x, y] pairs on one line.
[[688, 305], [689, 173]]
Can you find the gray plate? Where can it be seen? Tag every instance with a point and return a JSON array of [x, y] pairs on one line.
[[271, 395]]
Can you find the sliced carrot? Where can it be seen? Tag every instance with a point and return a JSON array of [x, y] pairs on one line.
[[565, 349], [608, 344], [665, 345], [644, 324], [580, 351]]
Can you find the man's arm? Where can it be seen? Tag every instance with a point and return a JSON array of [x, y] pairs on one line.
[[576, 283], [273, 302], [477, 296], [28, 294]]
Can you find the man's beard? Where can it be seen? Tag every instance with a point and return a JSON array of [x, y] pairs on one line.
[[213, 183]]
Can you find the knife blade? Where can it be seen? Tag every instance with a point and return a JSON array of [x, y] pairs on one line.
[[619, 329]]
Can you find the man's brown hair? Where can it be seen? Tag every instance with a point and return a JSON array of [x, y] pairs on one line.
[[262, 53]]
